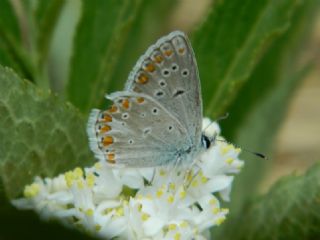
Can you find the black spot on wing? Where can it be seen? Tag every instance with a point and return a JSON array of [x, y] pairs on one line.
[[178, 92]]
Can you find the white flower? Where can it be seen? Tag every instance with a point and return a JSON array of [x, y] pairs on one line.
[[154, 203]]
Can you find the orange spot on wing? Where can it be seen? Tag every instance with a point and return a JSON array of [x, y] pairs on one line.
[[105, 128], [143, 79], [125, 103], [136, 89], [106, 117], [111, 158], [181, 50], [107, 140], [168, 53], [140, 99], [113, 109], [158, 58], [150, 67]]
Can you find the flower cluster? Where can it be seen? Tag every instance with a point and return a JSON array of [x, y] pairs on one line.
[[157, 203]]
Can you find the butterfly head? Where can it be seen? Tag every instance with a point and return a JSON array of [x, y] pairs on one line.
[[207, 140]]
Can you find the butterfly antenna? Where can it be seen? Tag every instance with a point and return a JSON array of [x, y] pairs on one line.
[[225, 116], [260, 155]]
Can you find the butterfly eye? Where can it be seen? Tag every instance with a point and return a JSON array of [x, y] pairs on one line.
[[130, 141], [170, 128]]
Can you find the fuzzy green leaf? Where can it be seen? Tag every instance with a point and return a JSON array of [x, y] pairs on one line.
[[290, 210], [31, 226], [39, 134], [230, 42]]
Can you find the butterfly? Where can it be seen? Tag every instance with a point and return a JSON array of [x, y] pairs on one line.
[[157, 119]]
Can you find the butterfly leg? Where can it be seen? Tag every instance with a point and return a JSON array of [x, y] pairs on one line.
[[191, 173], [152, 178]]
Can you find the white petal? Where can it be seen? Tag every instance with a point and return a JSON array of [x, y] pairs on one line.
[[114, 228], [218, 183], [147, 173], [225, 193], [63, 197], [23, 203], [130, 177], [153, 225], [210, 128]]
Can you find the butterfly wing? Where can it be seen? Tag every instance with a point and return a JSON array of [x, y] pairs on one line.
[[136, 131], [168, 73]]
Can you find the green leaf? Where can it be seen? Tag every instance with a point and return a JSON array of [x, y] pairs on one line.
[[230, 42], [60, 54], [151, 16], [290, 210], [102, 32], [40, 19], [39, 134], [261, 105], [7, 58], [9, 35], [46, 17], [258, 111], [13, 51], [30, 226], [9, 26]]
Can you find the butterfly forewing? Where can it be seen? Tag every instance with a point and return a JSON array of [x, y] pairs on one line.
[[168, 73]]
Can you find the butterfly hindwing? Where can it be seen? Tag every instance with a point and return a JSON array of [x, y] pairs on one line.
[[135, 132]]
